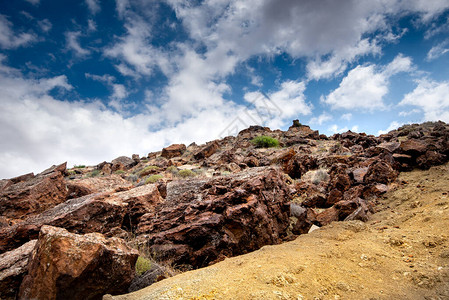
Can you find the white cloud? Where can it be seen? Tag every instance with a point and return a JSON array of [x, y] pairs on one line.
[[347, 116], [91, 26], [409, 113], [324, 117], [10, 39], [45, 25], [93, 6], [73, 44], [432, 98], [438, 50], [393, 125], [364, 87]]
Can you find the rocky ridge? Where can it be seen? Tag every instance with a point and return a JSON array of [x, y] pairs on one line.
[[192, 206]]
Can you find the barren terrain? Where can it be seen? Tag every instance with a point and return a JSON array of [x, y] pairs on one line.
[[402, 252]]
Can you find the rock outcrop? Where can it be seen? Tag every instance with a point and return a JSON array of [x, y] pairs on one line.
[[174, 150], [31, 195], [70, 266], [203, 221]]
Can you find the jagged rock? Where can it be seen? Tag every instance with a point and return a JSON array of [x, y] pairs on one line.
[[34, 195], [389, 146], [154, 274], [135, 157], [358, 174], [207, 150], [21, 178], [173, 151], [92, 213], [413, 147], [85, 186], [202, 221], [380, 172], [123, 163], [340, 179], [13, 267], [71, 266], [251, 161], [430, 158], [299, 165], [354, 209]]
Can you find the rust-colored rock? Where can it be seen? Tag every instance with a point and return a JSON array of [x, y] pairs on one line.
[[207, 150], [85, 186], [13, 267], [71, 266], [92, 213], [299, 165], [202, 221], [380, 172], [413, 147], [429, 159], [174, 150], [33, 195]]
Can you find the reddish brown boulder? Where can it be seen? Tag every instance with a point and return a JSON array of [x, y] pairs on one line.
[[21, 178], [340, 179], [85, 186], [13, 267], [380, 172], [429, 159], [299, 165], [92, 213], [174, 150], [123, 162], [202, 221], [413, 147], [358, 174], [207, 150], [71, 266], [35, 195]]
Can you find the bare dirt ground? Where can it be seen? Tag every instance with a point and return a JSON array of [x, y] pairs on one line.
[[401, 253]]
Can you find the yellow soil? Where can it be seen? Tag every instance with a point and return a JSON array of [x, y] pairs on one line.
[[401, 253]]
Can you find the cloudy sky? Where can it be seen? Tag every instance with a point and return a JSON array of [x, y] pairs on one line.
[[87, 81]]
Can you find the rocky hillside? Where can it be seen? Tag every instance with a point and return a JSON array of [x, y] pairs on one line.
[[77, 233]]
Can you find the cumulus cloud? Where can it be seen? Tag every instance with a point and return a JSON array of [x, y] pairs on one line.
[[432, 98], [324, 117], [365, 86], [73, 44], [10, 39]]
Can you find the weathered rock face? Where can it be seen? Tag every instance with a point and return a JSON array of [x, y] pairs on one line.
[[85, 186], [207, 150], [13, 267], [174, 150], [70, 266], [380, 172], [202, 221], [33, 195], [93, 213], [122, 162], [299, 165]]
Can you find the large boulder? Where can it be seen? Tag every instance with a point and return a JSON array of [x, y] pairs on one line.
[[13, 267], [174, 150], [33, 194], [203, 221], [85, 186], [380, 172], [100, 212], [207, 150], [70, 266], [123, 163], [299, 164]]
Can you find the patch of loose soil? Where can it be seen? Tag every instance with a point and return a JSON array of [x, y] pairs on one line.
[[401, 253]]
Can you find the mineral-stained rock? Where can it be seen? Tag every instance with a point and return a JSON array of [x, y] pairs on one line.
[[202, 221], [413, 147], [429, 159], [85, 186], [389, 146], [92, 213], [13, 267], [207, 150], [299, 165], [70, 266], [173, 151], [358, 174], [380, 172], [124, 161], [34, 195]]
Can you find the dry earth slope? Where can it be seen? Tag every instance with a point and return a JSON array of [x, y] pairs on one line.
[[402, 252]]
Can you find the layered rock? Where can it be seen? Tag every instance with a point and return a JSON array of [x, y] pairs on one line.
[[174, 150], [202, 221], [70, 266], [85, 186], [32, 195], [13, 267], [92, 213]]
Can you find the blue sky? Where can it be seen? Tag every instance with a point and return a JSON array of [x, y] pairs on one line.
[[87, 81]]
